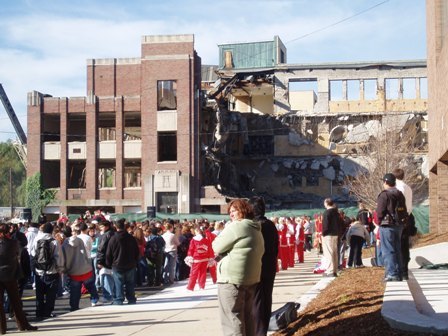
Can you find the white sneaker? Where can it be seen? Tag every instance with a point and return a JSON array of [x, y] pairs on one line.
[[94, 304]]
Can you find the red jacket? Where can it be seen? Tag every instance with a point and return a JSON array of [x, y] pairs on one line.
[[200, 250]]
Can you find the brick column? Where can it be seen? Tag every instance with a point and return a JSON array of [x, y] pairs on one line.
[[91, 144], [119, 158], [63, 110], [433, 202], [442, 199]]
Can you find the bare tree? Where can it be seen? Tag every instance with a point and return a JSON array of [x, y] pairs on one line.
[[393, 147]]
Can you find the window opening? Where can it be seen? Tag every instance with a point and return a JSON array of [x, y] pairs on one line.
[[166, 95]]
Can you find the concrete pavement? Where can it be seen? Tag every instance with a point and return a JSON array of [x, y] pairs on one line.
[[174, 310], [421, 303]]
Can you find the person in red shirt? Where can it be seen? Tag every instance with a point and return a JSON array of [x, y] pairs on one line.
[[200, 255], [282, 229], [300, 239]]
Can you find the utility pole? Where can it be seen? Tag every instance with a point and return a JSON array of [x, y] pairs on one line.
[[10, 192]]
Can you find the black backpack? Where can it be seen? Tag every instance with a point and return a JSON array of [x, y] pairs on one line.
[[154, 247], [43, 259], [283, 316], [400, 214]]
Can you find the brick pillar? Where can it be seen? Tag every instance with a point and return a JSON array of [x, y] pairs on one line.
[[442, 199], [433, 202], [91, 144], [119, 158], [63, 109]]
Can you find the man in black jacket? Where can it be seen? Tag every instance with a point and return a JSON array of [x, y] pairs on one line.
[[122, 256], [332, 228], [390, 230], [105, 274], [263, 293]]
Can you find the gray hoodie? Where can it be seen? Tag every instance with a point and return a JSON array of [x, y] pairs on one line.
[[77, 261]]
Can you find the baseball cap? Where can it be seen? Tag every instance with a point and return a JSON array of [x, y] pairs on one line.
[[389, 178]]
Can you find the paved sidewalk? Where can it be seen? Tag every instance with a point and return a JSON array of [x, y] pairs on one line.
[[421, 303], [174, 310]]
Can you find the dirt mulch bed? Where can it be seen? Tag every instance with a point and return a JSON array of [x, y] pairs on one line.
[[351, 304]]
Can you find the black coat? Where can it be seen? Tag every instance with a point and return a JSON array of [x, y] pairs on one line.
[[9, 260], [102, 247], [122, 252], [386, 203], [332, 224], [269, 259]]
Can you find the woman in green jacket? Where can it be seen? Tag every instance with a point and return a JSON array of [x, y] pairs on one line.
[[240, 247]]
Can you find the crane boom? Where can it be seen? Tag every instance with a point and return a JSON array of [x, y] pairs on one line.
[[20, 144], [12, 116]]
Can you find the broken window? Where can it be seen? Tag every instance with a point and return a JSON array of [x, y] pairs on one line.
[[392, 88], [370, 88], [423, 88], [336, 90], [167, 146], [303, 94], [166, 95], [132, 174], [76, 127], [106, 126], [167, 202], [76, 174], [409, 88], [51, 127], [51, 174], [132, 126], [106, 174], [353, 89], [282, 57]]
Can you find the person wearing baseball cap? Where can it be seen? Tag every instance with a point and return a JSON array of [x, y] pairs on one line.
[[390, 230]]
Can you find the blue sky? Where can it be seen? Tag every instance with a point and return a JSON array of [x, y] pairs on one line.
[[44, 44]]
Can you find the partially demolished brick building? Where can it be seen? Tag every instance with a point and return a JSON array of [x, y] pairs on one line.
[[291, 132]]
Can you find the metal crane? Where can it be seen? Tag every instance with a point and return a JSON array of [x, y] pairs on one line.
[[20, 143]]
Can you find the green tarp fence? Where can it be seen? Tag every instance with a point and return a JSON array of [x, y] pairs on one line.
[[421, 214]]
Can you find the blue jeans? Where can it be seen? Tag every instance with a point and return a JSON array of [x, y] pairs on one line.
[[75, 292], [141, 271], [108, 285], [169, 270], [124, 280], [390, 240]]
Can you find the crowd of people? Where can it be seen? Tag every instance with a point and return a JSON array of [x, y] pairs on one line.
[[108, 259]]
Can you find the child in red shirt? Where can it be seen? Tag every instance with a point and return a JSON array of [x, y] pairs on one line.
[[200, 254]]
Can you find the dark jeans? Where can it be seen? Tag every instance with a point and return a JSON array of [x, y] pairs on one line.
[[75, 292], [155, 271], [355, 255], [141, 271], [46, 290], [308, 241], [263, 305], [390, 238], [124, 281]]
